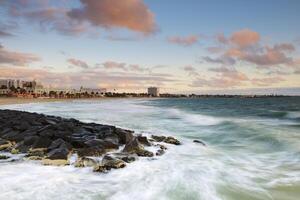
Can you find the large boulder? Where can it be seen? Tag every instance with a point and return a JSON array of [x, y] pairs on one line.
[[172, 140], [85, 162], [110, 162], [134, 147], [101, 144], [143, 140], [42, 142], [91, 151], [158, 138], [125, 136], [59, 154]]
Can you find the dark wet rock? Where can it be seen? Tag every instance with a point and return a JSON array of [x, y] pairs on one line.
[[135, 147], [59, 143], [52, 139], [143, 140], [41, 152], [42, 142], [199, 142], [85, 162], [172, 140], [125, 136], [158, 138], [125, 157], [99, 168], [91, 151], [4, 157], [21, 147], [101, 143], [110, 162], [160, 152], [30, 140], [58, 154]]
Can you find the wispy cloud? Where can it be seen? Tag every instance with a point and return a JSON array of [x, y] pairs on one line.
[[16, 58], [184, 41]]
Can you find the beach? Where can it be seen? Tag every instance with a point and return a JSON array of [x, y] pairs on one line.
[[15, 100]]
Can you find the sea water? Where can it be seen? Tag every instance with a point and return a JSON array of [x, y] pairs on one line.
[[252, 152]]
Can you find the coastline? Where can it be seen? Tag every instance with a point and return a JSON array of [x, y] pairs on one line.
[[15, 100]]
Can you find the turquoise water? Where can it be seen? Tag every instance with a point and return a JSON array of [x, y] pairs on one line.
[[252, 152]]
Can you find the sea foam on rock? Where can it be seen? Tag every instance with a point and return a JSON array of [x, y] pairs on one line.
[[54, 139]]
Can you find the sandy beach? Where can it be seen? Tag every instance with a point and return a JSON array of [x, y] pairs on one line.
[[14, 100]]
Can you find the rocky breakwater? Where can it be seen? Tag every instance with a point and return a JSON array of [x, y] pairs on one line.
[[54, 140]]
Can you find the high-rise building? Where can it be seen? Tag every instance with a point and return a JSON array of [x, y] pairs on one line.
[[153, 91]]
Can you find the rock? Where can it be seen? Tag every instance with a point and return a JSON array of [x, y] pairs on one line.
[[109, 162], [135, 147], [143, 140], [158, 138], [160, 152], [42, 142], [99, 168], [34, 158], [200, 142], [161, 146], [101, 144], [59, 143], [21, 147], [14, 151], [4, 157], [30, 140], [91, 151], [172, 140], [86, 162], [5, 145], [125, 136], [128, 159], [40, 152], [58, 154], [55, 162]]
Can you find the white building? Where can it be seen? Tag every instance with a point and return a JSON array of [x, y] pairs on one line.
[[93, 91], [153, 91]]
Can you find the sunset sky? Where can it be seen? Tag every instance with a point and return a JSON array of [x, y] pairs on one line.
[[181, 46]]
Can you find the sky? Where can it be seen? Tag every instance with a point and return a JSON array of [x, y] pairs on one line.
[[181, 46]]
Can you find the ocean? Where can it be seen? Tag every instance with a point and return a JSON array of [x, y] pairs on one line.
[[252, 152]]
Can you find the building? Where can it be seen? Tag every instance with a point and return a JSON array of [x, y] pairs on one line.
[[93, 91], [153, 91]]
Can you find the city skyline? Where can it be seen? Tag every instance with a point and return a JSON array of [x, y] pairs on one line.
[[181, 47]]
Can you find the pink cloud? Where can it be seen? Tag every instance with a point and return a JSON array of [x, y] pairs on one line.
[[131, 14], [184, 41], [78, 63], [16, 58], [245, 37], [114, 65]]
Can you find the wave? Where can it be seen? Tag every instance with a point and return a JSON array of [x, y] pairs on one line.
[[195, 119]]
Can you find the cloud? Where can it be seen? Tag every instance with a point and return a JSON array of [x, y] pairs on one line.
[[191, 70], [220, 60], [138, 68], [89, 78], [16, 58], [7, 28], [131, 14], [267, 81], [114, 65], [184, 41], [78, 63], [90, 15], [245, 37], [245, 46]]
